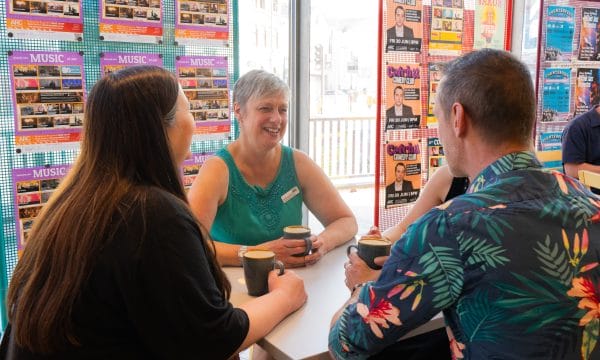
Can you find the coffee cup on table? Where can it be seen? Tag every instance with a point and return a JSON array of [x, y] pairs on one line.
[[298, 232], [257, 265], [369, 247]]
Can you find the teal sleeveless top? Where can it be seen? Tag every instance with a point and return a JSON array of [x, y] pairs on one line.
[[251, 214]]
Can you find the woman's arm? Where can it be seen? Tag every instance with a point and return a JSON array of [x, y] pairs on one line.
[[433, 194], [324, 201]]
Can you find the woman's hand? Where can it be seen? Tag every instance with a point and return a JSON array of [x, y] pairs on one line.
[[285, 249], [291, 285], [357, 271]]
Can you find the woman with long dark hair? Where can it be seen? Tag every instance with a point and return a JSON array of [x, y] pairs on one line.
[[116, 265]]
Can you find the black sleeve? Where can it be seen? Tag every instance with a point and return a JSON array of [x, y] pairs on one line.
[[170, 293]]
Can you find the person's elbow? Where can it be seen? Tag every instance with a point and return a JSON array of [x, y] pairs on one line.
[[572, 169]]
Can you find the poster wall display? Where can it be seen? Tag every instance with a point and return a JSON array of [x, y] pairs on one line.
[[404, 25], [48, 96], [559, 33], [111, 62], [205, 81], [191, 167], [43, 19], [435, 75], [204, 22], [490, 24], [436, 155], [32, 189], [131, 20], [403, 105], [447, 25], [589, 46], [402, 172], [556, 96], [587, 89]]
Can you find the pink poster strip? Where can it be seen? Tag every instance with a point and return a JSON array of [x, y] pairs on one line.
[[43, 19], [131, 20], [48, 97], [205, 81], [203, 22], [33, 187], [111, 62]]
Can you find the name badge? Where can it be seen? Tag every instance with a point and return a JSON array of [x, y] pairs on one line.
[[290, 194]]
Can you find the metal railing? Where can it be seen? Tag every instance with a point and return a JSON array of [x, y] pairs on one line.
[[344, 147]]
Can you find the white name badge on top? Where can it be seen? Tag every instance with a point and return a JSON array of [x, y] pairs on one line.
[[290, 194]]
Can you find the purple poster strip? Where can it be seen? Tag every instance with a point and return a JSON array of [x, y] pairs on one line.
[[201, 22], [110, 62], [191, 167], [205, 81], [48, 97], [33, 187]]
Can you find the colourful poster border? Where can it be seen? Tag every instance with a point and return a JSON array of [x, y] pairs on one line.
[[52, 20], [117, 20], [196, 25], [407, 152], [113, 61]]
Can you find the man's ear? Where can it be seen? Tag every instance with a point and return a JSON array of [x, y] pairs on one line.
[[460, 120]]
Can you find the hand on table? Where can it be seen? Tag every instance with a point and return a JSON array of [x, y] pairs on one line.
[[284, 250], [291, 285]]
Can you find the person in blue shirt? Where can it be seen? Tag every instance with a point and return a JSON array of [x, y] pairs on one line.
[[513, 263]]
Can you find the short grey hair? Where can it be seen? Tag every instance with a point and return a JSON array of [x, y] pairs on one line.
[[257, 84]]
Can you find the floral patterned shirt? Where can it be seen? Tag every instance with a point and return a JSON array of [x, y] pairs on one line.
[[513, 265]]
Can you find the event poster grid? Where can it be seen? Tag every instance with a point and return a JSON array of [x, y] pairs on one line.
[[44, 19], [48, 96]]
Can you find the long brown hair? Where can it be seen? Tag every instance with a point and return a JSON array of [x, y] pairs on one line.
[[124, 154]]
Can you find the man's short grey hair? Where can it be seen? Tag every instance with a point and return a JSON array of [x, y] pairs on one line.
[[257, 84], [496, 91]]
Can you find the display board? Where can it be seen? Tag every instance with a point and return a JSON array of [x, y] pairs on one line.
[[414, 38], [52, 53]]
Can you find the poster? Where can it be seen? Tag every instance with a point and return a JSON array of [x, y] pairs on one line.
[[559, 33], [48, 95], [402, 172], [205, 22], [43, 19], [589, 35], [587, 90], [110, 62], [131, 20], [557, 94], [447, 25], [32, 189], [205, 81], [404, 28], [550, 140], [490, 24], [403, 102], [435, 75], [436, 155], [191, 168]]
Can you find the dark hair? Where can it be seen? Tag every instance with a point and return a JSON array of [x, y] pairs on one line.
[[495, 90], [125, 155], [399, 164], [398, 87], [399, 7]]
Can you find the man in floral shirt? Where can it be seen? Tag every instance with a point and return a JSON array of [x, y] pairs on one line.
[[513, 264]]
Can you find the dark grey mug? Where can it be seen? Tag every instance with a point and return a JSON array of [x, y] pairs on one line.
[[257, 265], [369, 247], [299, 232]]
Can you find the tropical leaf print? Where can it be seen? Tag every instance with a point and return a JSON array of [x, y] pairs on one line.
[[539, 300], [590, 337], [554, 261], [444, 272], [480, 319], [481, 252]]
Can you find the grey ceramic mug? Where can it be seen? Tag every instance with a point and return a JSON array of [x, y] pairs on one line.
[[299, 232], [369, 247], [257, 265]]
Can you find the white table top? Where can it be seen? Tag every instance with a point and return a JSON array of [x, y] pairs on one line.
[[309, 325]]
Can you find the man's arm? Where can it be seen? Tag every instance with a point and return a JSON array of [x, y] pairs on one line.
[[572, 169], [405, 296]]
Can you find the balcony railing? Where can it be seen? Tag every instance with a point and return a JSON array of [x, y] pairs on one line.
[[344, 147]]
